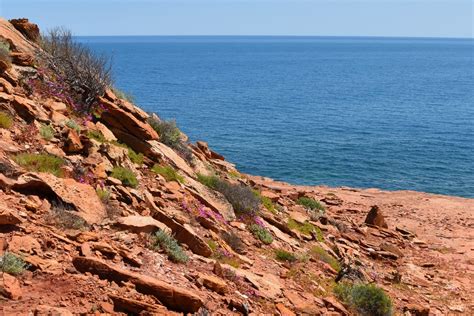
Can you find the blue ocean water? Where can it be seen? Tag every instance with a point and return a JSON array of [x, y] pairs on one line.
[[391, 113]]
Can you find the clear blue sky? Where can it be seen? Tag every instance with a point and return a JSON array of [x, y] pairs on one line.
[[430, 18]]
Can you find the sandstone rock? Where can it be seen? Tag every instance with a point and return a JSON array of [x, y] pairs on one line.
[[416, 310], [119, 118], [57, 117], [10, 287], [28, 29], [15, 38], [7, 217], [6, 86], [283, 310], [45, 310], [375, 217], [57, 106], [132, 306], [22, 59], [141, 224], [73, 142], [107, 133], [24, 244], [28, 110], [182, 232], [332, 302], [173, 297], [272, 196], [213, 283], [81, 197], [161, 150]]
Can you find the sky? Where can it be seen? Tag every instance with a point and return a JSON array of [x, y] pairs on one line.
[[413, 18]]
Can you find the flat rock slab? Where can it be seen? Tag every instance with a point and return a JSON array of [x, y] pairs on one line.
[[81, 196], [173, 297], [141, 224]]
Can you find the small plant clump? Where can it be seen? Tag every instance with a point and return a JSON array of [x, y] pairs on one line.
[[234, 241], [168, 173], [73, 125], [161, 240], [123, 95], [319, 253], [125, 175], [6, 120], [310, 203], [261, 233], [170, 135], [62, 215], [366, 299], [5, 53], [283, 255], [40, 163], [136, 158], [266, 202], [209, 181], [46, 132], [12, 264], [96, 135], [103, 194]]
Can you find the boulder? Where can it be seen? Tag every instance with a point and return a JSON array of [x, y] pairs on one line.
[[79, 196], [107, 133], [376, 218], [173, 297], [283, 310], [24, 244], [28, 29], [416, 310], [119, 118], [15, 38], [73, 142], [10, 287], [213, 283], [7, 217], [141, 224]]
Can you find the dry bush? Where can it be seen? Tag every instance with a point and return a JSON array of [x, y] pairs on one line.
[[86, 74]]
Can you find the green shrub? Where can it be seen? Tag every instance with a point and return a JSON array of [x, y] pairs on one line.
[[170, 135], [168, 173], [266, 201], [241, 197], [123, 95], [46, 132], [366, 299], [319, 253], [234, 241], [73, 125], [125, 175], [261, 233], [283, 255], [213, 245], [103, 194], [161, 240], [6, 120], [134, 157], [12, 264], [5, 52], [96, 135], [209, 181], [310, 203], [40, 163]]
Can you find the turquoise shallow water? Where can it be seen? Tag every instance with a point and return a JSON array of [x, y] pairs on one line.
[[360, 112]]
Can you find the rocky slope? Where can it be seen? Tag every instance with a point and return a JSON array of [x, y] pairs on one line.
[[86, 237]]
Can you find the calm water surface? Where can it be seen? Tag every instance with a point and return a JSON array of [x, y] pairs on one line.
[[361, 112]]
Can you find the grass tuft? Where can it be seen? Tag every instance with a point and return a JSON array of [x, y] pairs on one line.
[[6, 120], [125, 175], [320, 254], [73, 125], [12, 264], [161, 240], [168, 173], [40, 163], [46, 132], [366, 299], [103, 194], [96, 135], [310, 203], [261, 233], [283, 255]]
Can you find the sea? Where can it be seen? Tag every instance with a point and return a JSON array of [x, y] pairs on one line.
[[364, 112]]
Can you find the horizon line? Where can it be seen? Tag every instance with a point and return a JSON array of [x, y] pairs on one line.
[[263, 35]]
